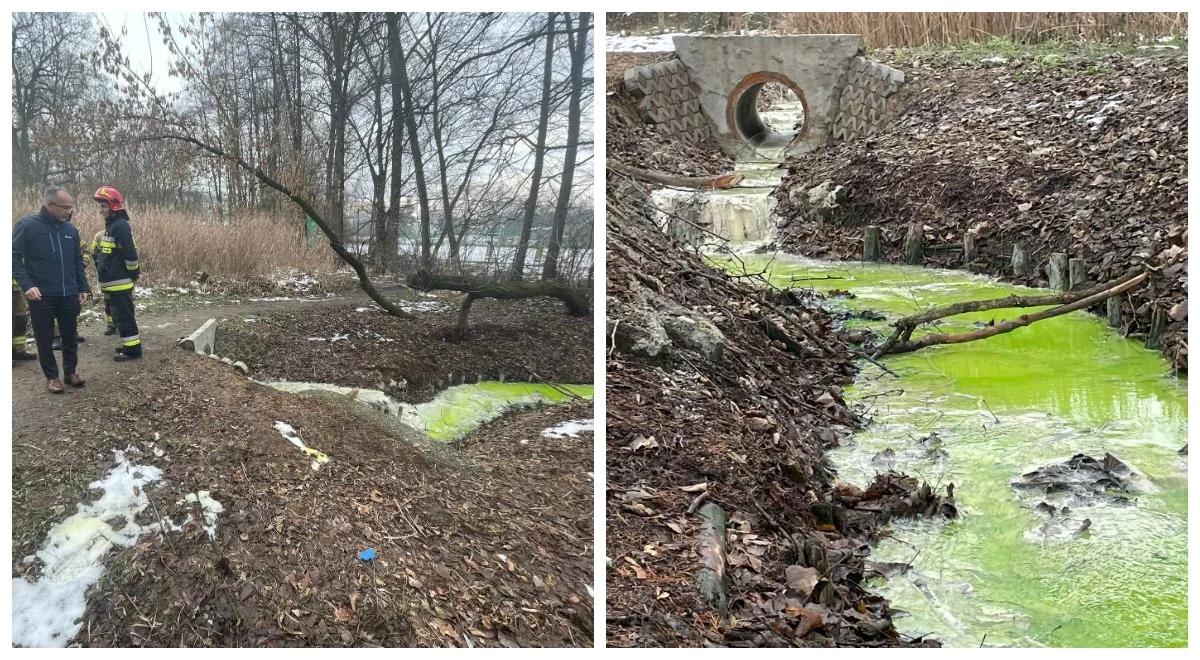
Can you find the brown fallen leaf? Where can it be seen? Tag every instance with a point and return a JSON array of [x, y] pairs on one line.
[[801, 579]]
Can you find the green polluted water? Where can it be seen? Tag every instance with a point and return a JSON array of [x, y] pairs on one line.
[[458, 410], [1001, 407], [455, 411]]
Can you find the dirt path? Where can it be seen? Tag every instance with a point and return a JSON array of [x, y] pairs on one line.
[[36, 411]]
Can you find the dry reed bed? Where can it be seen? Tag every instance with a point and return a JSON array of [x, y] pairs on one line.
[[175, 245], [907, 29]]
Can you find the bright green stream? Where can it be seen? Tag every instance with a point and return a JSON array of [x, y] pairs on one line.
[[458, 410], [1003, 406]]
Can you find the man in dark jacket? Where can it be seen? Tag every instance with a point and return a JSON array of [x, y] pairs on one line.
[[118, 269], [48, 267]]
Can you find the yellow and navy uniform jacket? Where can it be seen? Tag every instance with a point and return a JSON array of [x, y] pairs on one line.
[[117, 259]]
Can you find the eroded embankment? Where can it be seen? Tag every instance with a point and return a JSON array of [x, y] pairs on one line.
[[1085, 156], [719, 396]]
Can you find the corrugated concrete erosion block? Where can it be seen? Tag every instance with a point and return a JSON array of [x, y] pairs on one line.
[[817, 63], [202, 340]]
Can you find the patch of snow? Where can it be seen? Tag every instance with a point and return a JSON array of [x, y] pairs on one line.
[[48, 613], [657, 43], [994, 60], [570, 429], [423, 306]]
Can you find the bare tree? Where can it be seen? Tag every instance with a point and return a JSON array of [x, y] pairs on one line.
[[578, 48]]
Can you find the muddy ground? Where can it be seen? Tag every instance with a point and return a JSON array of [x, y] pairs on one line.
[[488, 543]]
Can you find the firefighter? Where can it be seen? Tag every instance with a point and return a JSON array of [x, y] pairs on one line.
[[20, 346], [117, 268], [93, 256], [90, 258]]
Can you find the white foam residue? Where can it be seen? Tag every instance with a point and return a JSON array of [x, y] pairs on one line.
[[570, 429], [289, 433], [210, 507], [48, 613]]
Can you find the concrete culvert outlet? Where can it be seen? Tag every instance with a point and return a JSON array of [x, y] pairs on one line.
[[768, 109]]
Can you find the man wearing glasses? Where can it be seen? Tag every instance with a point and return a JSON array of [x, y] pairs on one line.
[[48, 266]]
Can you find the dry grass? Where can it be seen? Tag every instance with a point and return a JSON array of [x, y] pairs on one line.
[[175, 245], [907, 29]]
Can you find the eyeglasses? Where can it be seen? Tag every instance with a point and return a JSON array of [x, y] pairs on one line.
[[65, 207]]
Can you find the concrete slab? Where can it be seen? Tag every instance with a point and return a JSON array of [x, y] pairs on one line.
[[202, 340]]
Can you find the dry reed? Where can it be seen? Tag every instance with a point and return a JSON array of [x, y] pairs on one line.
[[907, 29], [174, 245]]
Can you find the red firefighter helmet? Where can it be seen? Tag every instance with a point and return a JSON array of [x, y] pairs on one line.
[[111, 195]]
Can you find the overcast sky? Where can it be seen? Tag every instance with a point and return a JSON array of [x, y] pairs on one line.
[[142, 43]]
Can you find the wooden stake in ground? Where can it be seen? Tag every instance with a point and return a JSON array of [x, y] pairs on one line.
[[914, 245], [900, 341], [1020, 260], [872, 242]]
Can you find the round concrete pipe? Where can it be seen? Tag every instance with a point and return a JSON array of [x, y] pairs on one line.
[[741, 110]]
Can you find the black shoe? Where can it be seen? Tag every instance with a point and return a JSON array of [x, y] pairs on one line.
[[110, 331], [24, 356], [125, 357], [57, 345], [80, 338]]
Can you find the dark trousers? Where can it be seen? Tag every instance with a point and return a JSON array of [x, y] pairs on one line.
[[43, 313], [120, 304]]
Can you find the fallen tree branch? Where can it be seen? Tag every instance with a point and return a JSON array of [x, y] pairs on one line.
[[335, 241], [715, 181], [899, 342], [573, 298]]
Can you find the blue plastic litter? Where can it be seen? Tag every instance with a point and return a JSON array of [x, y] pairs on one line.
[[367, 555]]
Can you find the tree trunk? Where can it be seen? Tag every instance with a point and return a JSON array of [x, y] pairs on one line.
[[410, 123], [574, 299], [392, 222], [535, 184], [578, 47]]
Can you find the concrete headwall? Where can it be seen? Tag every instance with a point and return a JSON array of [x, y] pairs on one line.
[[816, 63], [867, 99], [700, 94], [667, 97]]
